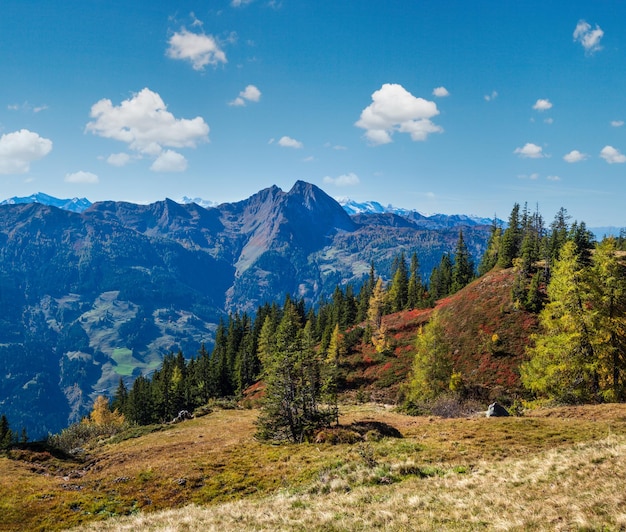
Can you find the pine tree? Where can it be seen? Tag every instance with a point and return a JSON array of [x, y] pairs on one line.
[[365, 294], [291, 374], [120, 398], [533, 300], [511, 240], [441, 279], [490, 257], [463, 266], [141, 405], [607, 280], [415, 290], [6, 434], [398, 294]]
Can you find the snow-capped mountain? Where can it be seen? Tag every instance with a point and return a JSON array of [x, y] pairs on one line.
[[207, 204], [373, 207], [73, 204]]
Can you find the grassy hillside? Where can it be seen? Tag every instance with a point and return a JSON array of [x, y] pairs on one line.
[[551, 469], [487, 336]]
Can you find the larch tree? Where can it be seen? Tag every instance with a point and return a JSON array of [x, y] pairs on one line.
[[563, 364], [432, 366]]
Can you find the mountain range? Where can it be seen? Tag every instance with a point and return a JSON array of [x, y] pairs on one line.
[[104, 293]]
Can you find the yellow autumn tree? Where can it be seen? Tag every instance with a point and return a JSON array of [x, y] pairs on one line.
[[102, 415]]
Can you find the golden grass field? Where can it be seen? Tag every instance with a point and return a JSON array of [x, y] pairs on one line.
[[552, 469]]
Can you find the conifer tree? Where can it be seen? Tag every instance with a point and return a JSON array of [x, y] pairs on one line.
[[291, 373], [441, 279], [563, 364], [607, 279], [120, 398], [6, 434], [102, 415], [432, 365], [365, 294], [490, 257], [511, 240], [377, 305], [533, 300], [399, 290], [463, 266], [415, 290]]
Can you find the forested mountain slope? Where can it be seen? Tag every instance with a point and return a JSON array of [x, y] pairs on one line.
[[91, 297]]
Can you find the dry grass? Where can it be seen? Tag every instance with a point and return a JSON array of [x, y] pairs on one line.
[[559, 468], [562, 489]]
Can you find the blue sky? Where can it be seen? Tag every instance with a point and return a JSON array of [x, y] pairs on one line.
[[425, 105]]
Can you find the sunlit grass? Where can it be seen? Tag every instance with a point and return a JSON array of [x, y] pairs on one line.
[[508, 473]]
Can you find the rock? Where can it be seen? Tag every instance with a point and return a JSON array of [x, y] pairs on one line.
[[182, 416], [497, 410]]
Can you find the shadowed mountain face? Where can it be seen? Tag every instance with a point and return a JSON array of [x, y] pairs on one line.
[[93, 296]]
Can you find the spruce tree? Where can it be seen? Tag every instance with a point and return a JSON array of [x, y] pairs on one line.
[[398, 294], [463, 266], [511, 240], [607, 280], [291, 372], [490, 257], [415, 290]]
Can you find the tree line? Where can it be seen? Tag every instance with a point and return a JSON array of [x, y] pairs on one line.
[[295, 351], [578, 288]]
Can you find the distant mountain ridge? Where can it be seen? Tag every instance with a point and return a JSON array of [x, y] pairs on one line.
[[72, 205], [373, 207], [350, 206]]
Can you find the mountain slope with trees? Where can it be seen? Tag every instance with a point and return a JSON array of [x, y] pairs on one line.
[[108, 292]]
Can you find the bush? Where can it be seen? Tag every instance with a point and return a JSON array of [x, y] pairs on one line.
[[74, 438]]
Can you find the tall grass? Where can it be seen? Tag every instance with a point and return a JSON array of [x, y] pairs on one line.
[[574, 488]]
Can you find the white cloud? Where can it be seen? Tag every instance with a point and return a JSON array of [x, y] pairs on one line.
[[612, 155], [239, 3], [553, 178], [169, 161], [197, 48], [19, 149], [588, 37], [617, 123], [575, 156], [27, 107], [118, 159], [82, 177], [288, 142], [393, 108], [492, 96], [441, 92], [250, 94], [530, 151], [145, 124], [542, 105], [549, 121], [345, 180]]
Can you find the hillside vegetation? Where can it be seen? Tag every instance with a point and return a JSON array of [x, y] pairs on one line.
[[553, 469]]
